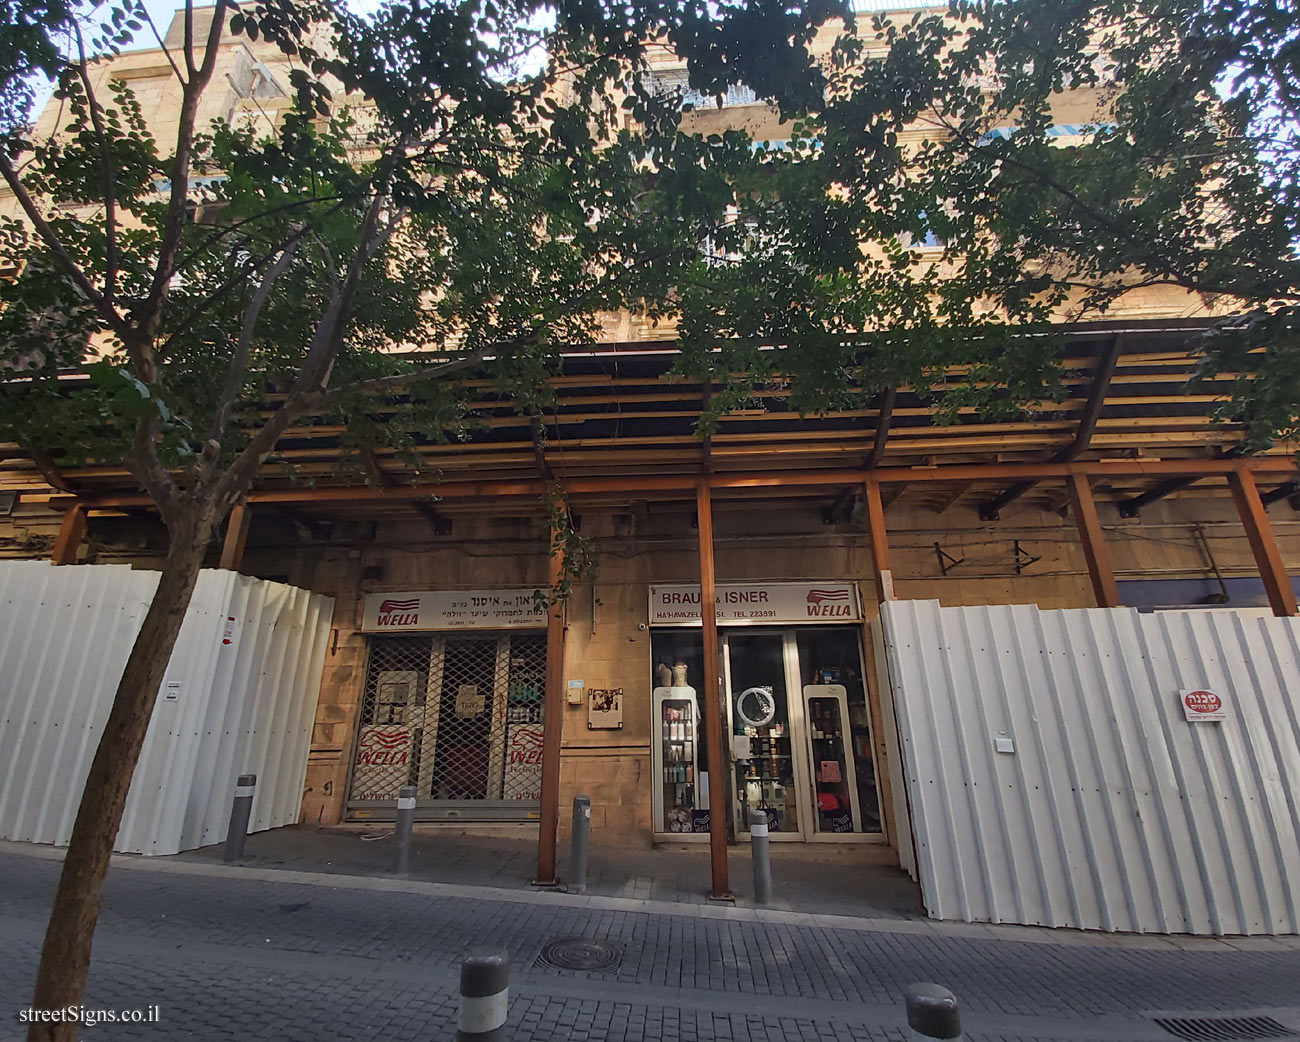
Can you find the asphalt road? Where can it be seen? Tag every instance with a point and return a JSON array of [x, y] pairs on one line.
[[255, 954]]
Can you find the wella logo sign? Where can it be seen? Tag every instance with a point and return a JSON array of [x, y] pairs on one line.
[[384, 748], [399, 612], [829, 604]]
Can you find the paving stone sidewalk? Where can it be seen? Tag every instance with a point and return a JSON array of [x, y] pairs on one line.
[[254, 954], [814, 878]]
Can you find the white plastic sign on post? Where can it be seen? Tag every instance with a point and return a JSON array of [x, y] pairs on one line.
[[1201, 705]]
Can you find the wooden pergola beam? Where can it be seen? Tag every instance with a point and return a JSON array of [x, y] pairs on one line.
[[232, 547], [71, 529], [1095, 551], [1291, 490], [953, 497], [1192, 469], [440, 523], [1130, 507], [1263, 543], [552, 723], [878, 540], [713, 718], [1101, 378], [884, 418]]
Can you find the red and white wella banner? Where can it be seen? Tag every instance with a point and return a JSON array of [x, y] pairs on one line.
[[758, 603], [383, 760], [408, 612]]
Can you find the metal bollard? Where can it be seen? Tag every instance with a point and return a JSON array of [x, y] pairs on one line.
[[484, 996], [240, 811], [931, 1013], [402, 832], [581, 837], [760, 851]]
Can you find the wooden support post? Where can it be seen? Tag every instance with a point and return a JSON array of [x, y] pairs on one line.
[[1095, 550], [232, 550], [713, 718], [553, 719], [878, 538], [1263, 544], [70, 532]]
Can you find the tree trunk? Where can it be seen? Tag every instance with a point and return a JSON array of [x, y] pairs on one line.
[[65, 957]]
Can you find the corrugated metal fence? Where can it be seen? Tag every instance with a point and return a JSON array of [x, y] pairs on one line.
[[1112, 811], [239, 696]]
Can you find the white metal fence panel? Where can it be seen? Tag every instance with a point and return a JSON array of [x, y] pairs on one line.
[[64, 637], [239, 696], [1109, 810]]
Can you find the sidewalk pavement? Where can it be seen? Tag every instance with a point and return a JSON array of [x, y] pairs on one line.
[[235, 954], [813, 878]]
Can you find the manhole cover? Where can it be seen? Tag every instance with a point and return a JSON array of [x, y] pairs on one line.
[[1224, 1029], [580, 953]]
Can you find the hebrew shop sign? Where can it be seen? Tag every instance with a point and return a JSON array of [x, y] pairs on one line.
[[407, 612], [1202, 706], [758, 603]]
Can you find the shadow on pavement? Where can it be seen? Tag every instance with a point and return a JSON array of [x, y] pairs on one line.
[[815, 879]]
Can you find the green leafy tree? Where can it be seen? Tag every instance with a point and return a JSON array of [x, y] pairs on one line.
[[452, 179], [946, 194], [448, 179]]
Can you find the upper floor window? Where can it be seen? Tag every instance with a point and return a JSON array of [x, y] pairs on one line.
[[676, 81], [1059, 133]]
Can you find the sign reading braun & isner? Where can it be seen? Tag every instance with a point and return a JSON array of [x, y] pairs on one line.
[[758, 603], [451, 610]]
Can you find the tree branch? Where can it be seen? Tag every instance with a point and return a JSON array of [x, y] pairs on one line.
[[325, 344], [143, 462], [237, 279], [106, 161], [311, 403], [1168, 269], [328, 338], [239, 361], [189, 37], [150, 312], [143, 12], [73, 270], [241, 473], [45, 464]]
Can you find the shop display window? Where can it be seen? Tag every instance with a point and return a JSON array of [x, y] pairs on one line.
[[761, 726], [830, 658], [681, 804]]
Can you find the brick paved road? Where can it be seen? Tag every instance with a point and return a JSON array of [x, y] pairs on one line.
[[232, 957]]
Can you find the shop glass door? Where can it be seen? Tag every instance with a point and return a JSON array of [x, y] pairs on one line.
[[837, 730], [767, 761], [801, 742]]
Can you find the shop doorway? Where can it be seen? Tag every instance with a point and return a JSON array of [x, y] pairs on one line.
[[801, 744], [457, 715]]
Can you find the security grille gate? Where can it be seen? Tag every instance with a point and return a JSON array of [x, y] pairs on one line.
[[458, 716]]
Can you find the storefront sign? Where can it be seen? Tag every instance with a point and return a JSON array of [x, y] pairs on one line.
[[1200, 705], [758, 603], [451, 610], [524, 762], [383, 761]]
